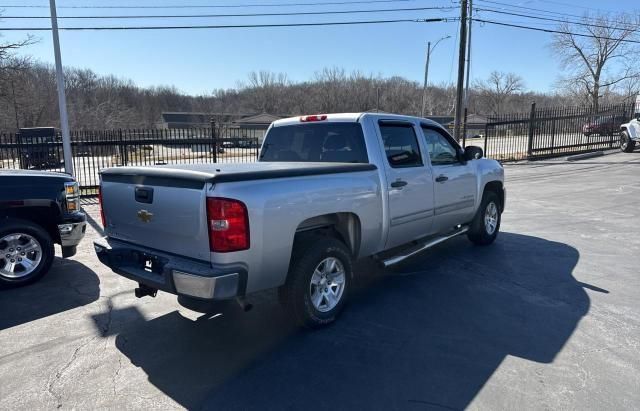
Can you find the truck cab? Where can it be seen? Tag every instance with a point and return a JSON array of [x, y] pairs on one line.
[[37, 210]]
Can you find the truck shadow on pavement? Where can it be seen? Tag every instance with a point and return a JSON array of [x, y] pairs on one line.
[[69, 284], [429, 335]]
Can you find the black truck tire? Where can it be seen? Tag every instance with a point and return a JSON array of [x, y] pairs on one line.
[[38, 252], [486, 223], [626, 144], [318, 281]]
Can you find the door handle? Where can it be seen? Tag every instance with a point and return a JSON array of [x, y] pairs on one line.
[[399, 184], [441, 178]]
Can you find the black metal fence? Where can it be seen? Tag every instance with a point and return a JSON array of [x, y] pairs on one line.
[[95, 150], [549, 132]]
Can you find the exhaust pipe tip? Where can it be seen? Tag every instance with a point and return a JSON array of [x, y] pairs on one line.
[[144, 291], [244, 304]]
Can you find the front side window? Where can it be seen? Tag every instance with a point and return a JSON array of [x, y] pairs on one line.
[[401, 145], [324, 142], [441, 151]]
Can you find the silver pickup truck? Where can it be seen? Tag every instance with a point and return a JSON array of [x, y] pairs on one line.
[[327, 190]]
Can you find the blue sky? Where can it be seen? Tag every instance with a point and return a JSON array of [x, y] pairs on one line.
[[198, 61]]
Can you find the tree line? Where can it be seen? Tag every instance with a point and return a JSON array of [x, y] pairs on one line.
[[28, 97]]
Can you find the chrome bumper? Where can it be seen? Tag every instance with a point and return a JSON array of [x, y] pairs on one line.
[[71, 233], [171, 273]]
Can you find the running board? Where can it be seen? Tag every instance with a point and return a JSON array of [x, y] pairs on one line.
[[395, 260]]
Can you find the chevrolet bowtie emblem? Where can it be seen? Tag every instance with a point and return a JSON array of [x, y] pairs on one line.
[[145, 216]]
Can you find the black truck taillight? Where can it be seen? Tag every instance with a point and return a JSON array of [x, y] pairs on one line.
[[228, 224]]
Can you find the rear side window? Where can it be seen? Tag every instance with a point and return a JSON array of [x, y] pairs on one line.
[[400, 145], [320, 142]]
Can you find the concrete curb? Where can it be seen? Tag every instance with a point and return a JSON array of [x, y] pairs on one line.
[[585, 156]]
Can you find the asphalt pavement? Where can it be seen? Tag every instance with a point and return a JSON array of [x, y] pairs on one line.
[[548, 317]]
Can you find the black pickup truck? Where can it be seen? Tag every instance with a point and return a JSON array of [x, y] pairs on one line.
[[37, 210]]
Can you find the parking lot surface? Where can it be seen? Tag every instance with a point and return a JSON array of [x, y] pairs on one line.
[[546, 318]]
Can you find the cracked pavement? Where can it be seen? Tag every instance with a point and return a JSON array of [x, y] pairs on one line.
[[546, 318]]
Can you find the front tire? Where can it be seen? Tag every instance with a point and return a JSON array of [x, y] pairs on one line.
[[626, 144], [318, 282], [26, 253], [486, 223]]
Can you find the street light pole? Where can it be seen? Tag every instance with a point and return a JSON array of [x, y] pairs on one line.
[[426, 74], [62, 100]]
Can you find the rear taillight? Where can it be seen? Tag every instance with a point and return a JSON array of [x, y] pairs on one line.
[[104, 223], [317, 117], [228, 224]]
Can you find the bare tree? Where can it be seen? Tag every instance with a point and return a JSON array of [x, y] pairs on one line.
[[600, 60], [495, 91]]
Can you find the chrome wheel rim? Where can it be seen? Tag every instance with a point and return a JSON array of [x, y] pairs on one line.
[[327, 284], [623, 142], [20, 255], [491, 218]]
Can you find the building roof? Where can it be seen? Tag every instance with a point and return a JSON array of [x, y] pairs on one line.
[[189, 117], [186, 117], [473, 119], [262, 118]]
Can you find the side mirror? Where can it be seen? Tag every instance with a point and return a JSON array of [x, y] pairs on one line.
[[472, 153]]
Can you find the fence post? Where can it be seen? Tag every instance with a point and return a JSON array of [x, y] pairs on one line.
[[532, 119], [123, 149], [553, 135], [214, 138], [486, 137]]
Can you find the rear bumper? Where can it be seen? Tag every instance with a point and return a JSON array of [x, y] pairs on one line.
[[170, 273]]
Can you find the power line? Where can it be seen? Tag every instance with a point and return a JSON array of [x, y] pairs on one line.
[[198, 6], [499, 23], [542, 12], [577, 23], [233, 26], [559, 3], [294, 13]]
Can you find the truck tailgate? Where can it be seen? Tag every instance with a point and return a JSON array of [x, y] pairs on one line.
[[163, 214]]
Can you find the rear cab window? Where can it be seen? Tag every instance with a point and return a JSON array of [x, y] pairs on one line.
[[328, 142]]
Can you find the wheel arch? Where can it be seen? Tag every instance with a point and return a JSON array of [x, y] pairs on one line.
[[498, 188], [344, 226], [44, 217]]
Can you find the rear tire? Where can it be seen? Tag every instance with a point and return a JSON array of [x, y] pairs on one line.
[[486, 223], [26, 253], [626, 144], [318, 282]]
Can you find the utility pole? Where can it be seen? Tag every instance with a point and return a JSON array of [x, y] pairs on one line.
[[15, 105], [62, 100], [461, 65], [426, 74], [466, 87]]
